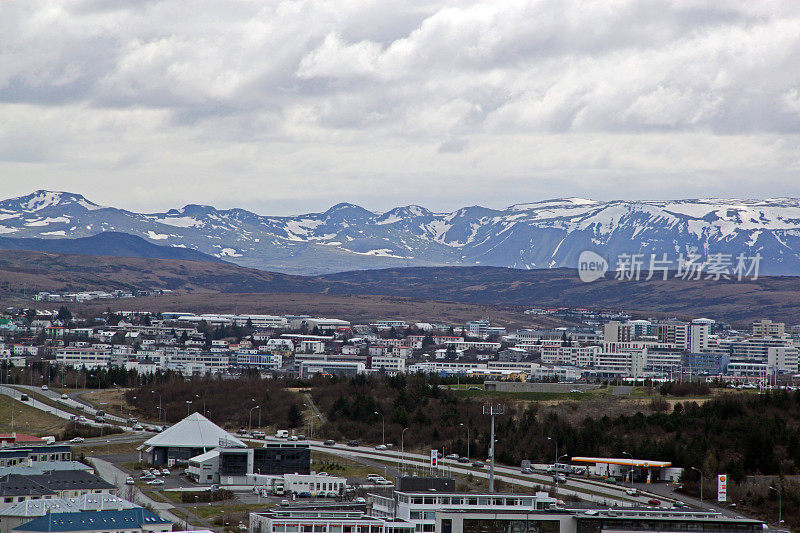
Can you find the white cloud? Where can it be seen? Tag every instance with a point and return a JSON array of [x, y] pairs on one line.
[[442, 103]]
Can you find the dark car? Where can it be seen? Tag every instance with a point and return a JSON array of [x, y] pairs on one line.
[[352, 443], [329, 442]]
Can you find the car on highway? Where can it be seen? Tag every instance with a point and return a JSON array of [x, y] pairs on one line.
[[45, 387], [526, 471], [329, 442], [76, 440], [64, 397], [165, 471], [352, 443], [129, 481], [156, 482], [380, 447], [453, 456], [477, 464], [654, 502], [632, 492], [463, 460]]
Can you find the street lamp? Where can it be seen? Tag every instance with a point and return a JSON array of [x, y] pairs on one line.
[[780, 503], [383, 428], [556, 441], [630, 471], [250, 419], [701, 482], [159, 405], [462, 424]]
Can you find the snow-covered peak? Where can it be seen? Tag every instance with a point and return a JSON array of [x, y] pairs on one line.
[[42, 199]]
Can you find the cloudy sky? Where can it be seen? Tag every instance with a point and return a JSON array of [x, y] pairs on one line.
[[285, 107]]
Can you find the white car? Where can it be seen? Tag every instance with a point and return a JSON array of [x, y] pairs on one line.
[[76, 440]]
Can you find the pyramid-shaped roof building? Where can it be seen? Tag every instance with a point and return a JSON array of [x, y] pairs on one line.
[[194, 431]]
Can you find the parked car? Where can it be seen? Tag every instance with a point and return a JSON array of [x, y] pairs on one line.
[[352, 443], [329, 442], [76, 440], [380, 447], [463, 460]]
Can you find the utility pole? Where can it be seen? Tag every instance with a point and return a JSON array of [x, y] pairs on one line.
[[492, 410]]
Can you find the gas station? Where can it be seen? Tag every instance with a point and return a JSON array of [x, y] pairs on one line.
[[629, 469]]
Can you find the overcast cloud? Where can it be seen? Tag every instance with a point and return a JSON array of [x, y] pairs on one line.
[[285, 107]]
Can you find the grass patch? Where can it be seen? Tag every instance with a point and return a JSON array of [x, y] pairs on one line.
[[210, 511], [340, 466], [108, 448], [27, 419], [530, 396]]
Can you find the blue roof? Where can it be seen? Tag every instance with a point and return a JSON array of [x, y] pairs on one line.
[[93, 521]]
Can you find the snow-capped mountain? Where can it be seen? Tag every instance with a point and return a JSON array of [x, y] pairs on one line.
[[544, 234]]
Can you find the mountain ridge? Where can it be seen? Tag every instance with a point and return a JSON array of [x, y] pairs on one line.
[[542, 234]]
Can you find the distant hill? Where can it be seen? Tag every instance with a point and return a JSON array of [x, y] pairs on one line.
[[111, 243], [470, 287]]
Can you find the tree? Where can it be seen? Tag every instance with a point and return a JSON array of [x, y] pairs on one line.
[[295, 416]]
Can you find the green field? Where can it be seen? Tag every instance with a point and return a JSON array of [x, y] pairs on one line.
[[26, 419]]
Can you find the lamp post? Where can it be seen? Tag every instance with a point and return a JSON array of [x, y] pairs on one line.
[[630, 471], [383, 428], [780, 504], [554, 440], [250, 419], [701, 482], [467, 427], [159, 405]]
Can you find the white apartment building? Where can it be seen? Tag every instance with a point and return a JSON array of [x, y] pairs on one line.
[[581, 356], [89, 358], [390, 365], [629, 364]]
